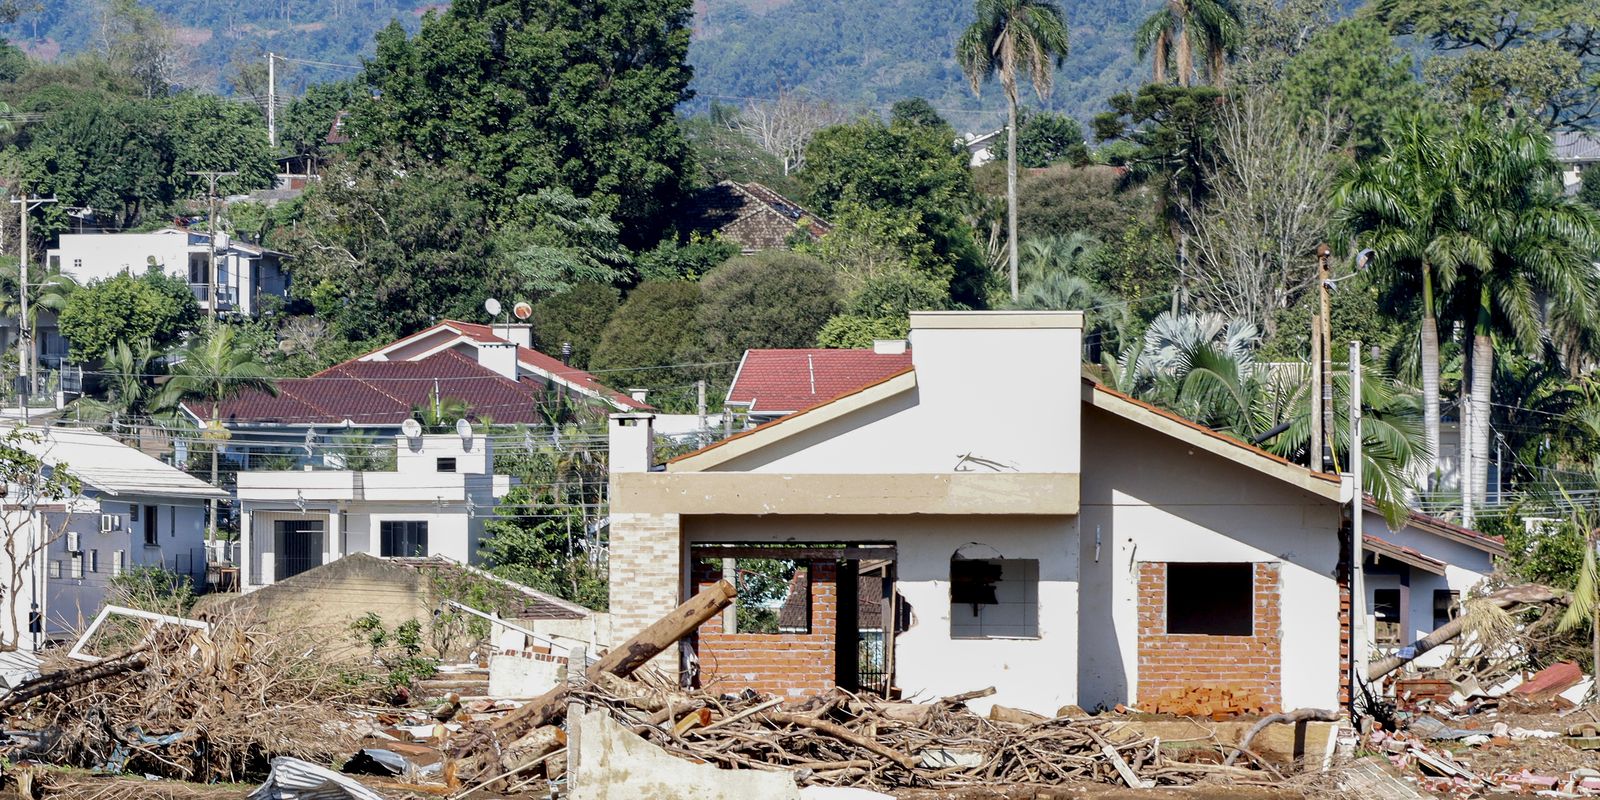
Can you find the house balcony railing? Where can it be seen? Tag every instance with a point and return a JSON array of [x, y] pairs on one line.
[[227, 296]]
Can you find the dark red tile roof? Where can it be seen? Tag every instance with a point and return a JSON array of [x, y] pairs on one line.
[[549, 365], [386, 392], [781, 381], [749, 215]]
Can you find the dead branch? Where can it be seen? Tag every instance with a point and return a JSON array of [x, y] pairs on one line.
[[1293, 717], [1526, 594]]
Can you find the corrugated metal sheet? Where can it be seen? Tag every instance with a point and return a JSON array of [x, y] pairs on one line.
[[16, 668], [293, 779]]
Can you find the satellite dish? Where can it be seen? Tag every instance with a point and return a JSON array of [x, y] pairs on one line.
[[463, 429], [522, 310], [492, 306], [411, 428]]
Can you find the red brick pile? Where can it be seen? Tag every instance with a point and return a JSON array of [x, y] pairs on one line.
[[1216, 702]]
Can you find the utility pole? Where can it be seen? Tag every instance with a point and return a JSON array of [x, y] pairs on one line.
[[1314, 456], [272, 100], [1325, 348], [1464, 461], [1358, 582], [27, 361], [700, 408], [211, 177]]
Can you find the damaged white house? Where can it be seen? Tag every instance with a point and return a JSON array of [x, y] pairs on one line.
[[1029, 529]]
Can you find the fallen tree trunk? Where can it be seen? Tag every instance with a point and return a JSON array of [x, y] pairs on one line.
[[622, 660], [1505, 598], [66, 679], [1296, 716]]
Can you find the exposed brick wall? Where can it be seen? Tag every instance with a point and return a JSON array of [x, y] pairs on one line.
[[1183, 661], [645, 575], [786, 665]]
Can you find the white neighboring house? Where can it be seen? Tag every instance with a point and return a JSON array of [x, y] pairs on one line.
[[1416, 577], [434, 503], [1575, 152], [131, 510], [980, 147], [245, 272]]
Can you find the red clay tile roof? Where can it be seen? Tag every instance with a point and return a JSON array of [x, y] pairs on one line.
[[749, 215], [549, 365], [385, 392], [782, 381], [1404, 555], [1493, 545]]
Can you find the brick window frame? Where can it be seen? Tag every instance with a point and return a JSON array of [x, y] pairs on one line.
[[1185, 661]]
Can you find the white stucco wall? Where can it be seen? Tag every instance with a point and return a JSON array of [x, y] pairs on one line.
[[1465, 568], [1036, 674], [96, 256], [1147, 497], [452, 532], [975, 389]]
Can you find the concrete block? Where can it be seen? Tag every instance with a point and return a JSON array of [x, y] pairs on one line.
[[516, 676], [614, 764]]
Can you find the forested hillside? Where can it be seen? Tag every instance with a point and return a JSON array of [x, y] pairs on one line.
[[876, 53], [851, 52]]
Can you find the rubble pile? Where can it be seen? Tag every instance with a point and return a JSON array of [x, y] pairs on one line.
[[203, 705], [856, 740]]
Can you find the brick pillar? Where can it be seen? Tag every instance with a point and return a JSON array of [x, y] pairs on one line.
[[646, 572]]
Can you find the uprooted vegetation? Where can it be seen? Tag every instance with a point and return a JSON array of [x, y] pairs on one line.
[[188, 704]]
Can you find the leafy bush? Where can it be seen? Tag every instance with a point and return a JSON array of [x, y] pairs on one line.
[[398, 650], [153, 588]]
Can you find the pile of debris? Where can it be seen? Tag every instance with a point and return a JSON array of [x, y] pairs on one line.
[[209, 704], [1218, 703]]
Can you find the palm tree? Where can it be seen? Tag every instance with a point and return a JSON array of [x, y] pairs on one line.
[[210, 370], [1011, 38], [1180, 28], [126, 380], [1404, 206], [1540, 252], [49, 293]]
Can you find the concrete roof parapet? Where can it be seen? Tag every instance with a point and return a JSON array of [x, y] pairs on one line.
[[995, 320]]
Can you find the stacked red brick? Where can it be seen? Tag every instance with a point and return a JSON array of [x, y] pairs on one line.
[[1215, 702], [786, 665], [1180, 665]]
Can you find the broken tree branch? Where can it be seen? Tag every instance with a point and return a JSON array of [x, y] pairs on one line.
[[60, 681], [843, 735], [1505, 598], [1296, 716]]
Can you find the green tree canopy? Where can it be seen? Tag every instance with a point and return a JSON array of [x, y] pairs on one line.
[[1045, 138], [1355, 71], [908, 170], [385, 248], [564, 242], [127, 309], [770, 299], [536, 95], [577, 315], [652, 331]]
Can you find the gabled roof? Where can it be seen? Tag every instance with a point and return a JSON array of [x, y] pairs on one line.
[[784, 381], [1322, 484], [106, 465], [385, 393], [451, 332], [1572, 146], [749, 215], [1193, 433], [1404, 555], [1493, 545]]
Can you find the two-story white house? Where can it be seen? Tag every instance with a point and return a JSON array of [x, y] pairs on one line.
[[131, 510], [435, 502], [245, 272]]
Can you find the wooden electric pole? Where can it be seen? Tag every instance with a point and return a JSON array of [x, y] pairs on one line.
[[212, 225], [27, 358], [272, 101], [1325, 348]]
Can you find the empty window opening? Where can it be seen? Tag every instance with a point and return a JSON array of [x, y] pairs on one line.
[[445, 465], [403, 538], [774, 594], [1211, 599], [994, 598], [1446, 607], [1386, 616], [150, 517]]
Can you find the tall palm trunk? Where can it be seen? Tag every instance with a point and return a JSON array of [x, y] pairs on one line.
[[1011, 188], [1185, 52], [211, 505], [1159, 57], [1482, 375], [1430, 379]]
